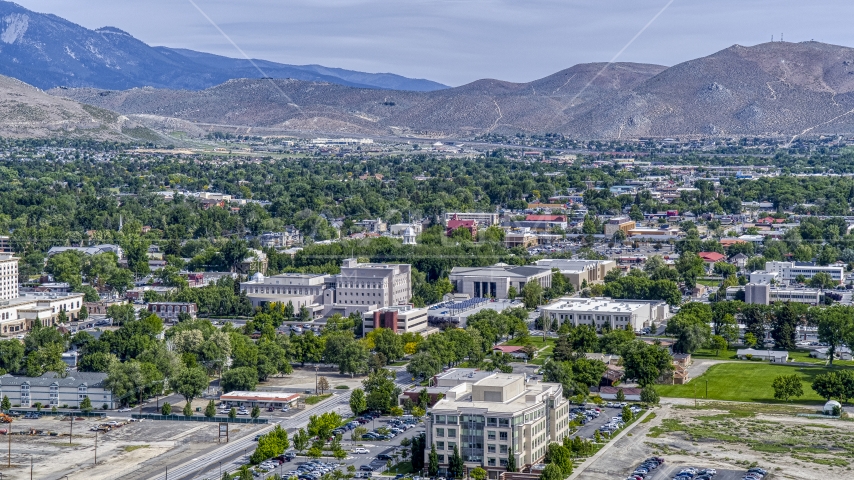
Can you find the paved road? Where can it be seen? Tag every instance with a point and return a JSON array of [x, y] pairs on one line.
[[233, 454]]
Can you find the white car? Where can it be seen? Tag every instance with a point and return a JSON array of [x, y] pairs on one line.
[[125, 409], [361, 450]]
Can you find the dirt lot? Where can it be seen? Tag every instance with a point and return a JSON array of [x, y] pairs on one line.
[[304, 378], [735, 436], [130, 448]]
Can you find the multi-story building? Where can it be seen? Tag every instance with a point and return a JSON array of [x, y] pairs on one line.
[[5, 244], [372, 225], [398, 318], [169, 311], [598, 312], [489, 417], [8, 276], [579, 271], [483, 220], [616, 224], [790, 271], [92, 250], [380, 284], [359, 287], [765, 294], [300, 289], [18, 315], [400, 228], [54, 390], [495, 281]]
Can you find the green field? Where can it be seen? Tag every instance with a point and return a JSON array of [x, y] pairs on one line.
[[743, 382]]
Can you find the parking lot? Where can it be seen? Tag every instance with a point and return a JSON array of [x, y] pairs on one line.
[[667, 472], [587, 430]]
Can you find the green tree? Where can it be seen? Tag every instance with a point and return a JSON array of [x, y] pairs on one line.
[[210, 409], [621, 397], [358, 403], [718, 343], [532, 294], [692, 331], [835, 326], [190, 382], [829, 386], [478, 473], [321, 426], [645, 363], [6, 405], [787, 387], [627, 414], [240, 379], [301, 440], [433, 463], [256, 412], [650, 396], [456, 466], [750, 339], [188, 409], [551, 472], [232, 412], [512, 293], [511, 461], [559, 455], [381, 392], [166, 409]]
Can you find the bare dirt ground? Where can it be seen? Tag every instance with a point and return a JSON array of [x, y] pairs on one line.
[[304, 378], [130, 448], [735, 436]]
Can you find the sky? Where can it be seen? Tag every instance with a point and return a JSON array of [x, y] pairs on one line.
[[458, 41]]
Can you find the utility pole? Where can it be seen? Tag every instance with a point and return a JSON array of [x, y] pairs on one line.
[[31, 467], [96, 447], [71, 433], [10, 447]]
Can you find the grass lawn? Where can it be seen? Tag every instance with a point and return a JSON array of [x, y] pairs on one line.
[[744, 382], [707, 354], [399, 363], [709, 283], [402, 467], [315, 399], [536, 340]]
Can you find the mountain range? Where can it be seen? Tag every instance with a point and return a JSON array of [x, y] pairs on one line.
[[771, 89], [775, 89], [47, 51]]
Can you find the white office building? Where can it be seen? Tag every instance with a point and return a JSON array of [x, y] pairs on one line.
[[483, 219], [765, 294], [599, 311], [495, 281], [486, 417], [790, 271], [359, 287], [397, 318], [8, 276]]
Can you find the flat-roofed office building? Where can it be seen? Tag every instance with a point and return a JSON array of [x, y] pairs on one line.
[[486, 417]]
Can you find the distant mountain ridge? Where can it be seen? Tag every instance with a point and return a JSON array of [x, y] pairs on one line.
[[47, 51], [772, 89]]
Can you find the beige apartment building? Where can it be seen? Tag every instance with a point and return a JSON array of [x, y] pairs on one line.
[[488, 415], [579, 271], [616, 224], [397, 318]]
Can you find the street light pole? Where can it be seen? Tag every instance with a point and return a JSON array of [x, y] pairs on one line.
[[316, 368]]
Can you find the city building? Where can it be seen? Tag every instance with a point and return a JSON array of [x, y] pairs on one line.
[[400, 228], [766, 294], [259, 399], [380, 284], [169, 311], [577, 271], [409, 236], [5, 244], [255, 261], [483, 219], [790, 271], [8, 276], [55, 390], [495, 281], [397, 318], [455, 223], [92, 250], [522, 239], [359, 287], [18, 315], [599, 311], [488, 417], [761, 276], [613, 225], [663, 231], [372, 225], [711, 258]]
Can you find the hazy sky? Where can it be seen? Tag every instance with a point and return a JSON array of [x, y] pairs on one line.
[[458, 41]]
